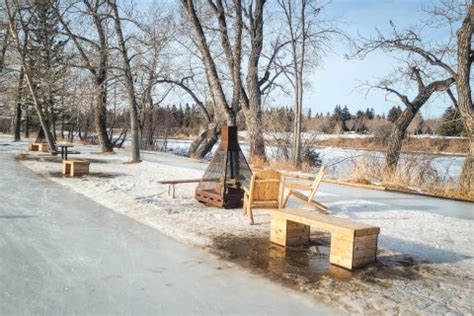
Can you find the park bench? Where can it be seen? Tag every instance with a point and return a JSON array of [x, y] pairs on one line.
[[33, 147], [43, 148], [76, 167], [38, 147], [172, 183], [353, 244]]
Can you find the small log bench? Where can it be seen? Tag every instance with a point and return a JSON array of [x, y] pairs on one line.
[[353, 244], [33, 147], [173, 183], [38, 147], [76, 167], [43, 148]]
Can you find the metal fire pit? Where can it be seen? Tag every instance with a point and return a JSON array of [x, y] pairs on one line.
[[227, 174]]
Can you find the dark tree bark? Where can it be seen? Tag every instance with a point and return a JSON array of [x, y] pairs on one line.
[[203, 143], [465, 107], [212, 75], [253, 109], [3, 50], [26, 127], [19, 104]]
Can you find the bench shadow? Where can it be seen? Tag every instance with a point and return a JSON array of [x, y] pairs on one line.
[[15, 216]]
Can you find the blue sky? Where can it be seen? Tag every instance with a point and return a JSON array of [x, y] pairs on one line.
[[338, 79]]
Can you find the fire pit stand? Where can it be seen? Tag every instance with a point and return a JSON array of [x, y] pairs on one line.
[[227, 174]]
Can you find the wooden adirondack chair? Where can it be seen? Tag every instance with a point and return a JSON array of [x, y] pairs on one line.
[[265, 192], [295, 191]]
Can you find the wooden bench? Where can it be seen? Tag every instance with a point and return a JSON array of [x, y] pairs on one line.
[[76, 167], [33, 147], [353, 244], [43, 148], [173, 183]]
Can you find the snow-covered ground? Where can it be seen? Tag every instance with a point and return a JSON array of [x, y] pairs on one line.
[[426, 259]]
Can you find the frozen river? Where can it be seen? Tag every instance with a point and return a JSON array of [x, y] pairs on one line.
[[341, 161]]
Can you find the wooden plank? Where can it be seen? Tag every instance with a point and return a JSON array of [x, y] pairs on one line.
[[322, 221], [341, 261], [186, 181]]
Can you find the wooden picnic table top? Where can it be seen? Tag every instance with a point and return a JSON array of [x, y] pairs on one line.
[[65, 145]]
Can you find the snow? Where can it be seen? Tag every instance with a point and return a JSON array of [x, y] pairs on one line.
[[442, 245]]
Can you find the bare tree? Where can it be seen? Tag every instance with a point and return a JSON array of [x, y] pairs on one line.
[[424, 64], [308, 35], [128, 82], [465, 57], [409, 113], [95, 10]]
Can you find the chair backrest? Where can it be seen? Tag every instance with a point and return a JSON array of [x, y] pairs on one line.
[[265, 185], [316, 183]]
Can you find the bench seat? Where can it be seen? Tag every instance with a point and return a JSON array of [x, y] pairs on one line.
[[353, 244], [76, 167]]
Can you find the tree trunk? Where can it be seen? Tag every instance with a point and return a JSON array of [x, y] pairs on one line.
[[296, 152], [100, 114], [253, 119], [203, 143], [395, 143], [463, 84], [132, 99], [19, 98], [26, 133]]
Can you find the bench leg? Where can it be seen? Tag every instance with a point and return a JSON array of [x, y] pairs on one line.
[[174, 191], [287, 233], [352, 252]]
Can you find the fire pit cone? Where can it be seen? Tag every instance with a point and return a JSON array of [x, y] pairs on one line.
[[227, 174]]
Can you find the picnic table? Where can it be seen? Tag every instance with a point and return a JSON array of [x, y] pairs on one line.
[[64, 150]]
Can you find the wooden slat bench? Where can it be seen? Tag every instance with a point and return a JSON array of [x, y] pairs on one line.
[[353, 244], [172, 183], [76, 167]]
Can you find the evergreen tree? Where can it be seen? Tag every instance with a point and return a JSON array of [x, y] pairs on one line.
[[394, 113], [370, 113], [187, 116], [451, 124], [47, 57]]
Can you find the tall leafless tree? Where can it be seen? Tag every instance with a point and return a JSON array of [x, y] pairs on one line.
[[424, 64], [128, 82], [308, 35], [465, 57], [98, 13]]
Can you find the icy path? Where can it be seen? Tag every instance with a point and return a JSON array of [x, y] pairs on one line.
[[61, 253]]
